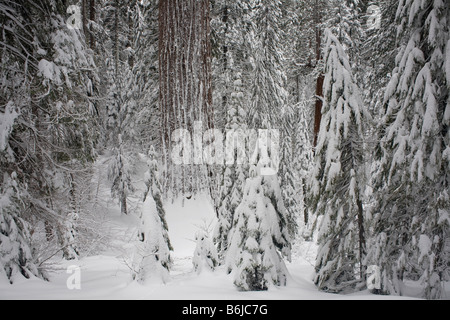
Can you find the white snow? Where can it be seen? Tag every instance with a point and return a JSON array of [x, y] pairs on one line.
[[7, 120], [107, 276], [49, 71]]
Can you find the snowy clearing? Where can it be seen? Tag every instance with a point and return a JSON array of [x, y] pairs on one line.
[[108, 276]]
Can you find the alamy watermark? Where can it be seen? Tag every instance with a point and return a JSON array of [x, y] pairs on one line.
[[74, 281], [260, 148], [373, 17], [374, 278], [74, 22]]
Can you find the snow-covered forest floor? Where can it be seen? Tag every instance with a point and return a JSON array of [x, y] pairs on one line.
[[107, 274]]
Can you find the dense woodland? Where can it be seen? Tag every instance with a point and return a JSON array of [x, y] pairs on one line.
[[358, 89]]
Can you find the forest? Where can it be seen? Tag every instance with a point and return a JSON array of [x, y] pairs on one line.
[[302, 145]]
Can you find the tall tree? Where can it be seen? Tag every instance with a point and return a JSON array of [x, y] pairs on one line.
[[411, 173], [258, 240], [234, 174], [146, 124], [48, 101], [337, 184], [152, 256], [185, 84], [120, 95], [268, 91], [302, 163]]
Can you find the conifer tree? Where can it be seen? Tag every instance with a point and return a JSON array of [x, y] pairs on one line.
[[302, 165], [257, 242], [205, 255], [234, 172], [50, 87], [152, 257], [411, 168], [15, 241], [268, 93], [337, 180]]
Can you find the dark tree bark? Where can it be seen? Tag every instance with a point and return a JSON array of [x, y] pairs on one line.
[[318, 109], [185, 78], [320, 79], [92, 17], [84, 17]]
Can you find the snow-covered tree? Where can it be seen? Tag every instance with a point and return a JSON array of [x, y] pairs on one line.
[[411, 171], [152, 256], [146, 117], [205, 255], [287, 173], [337, 183], [119, 175], [224, 212], [51, 88], [15, 240], [302, 165], [257, 243], [68, 232], [234, 174], [345, 22], [268, 95]]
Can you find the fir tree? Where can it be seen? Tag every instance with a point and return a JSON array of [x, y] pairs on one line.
[[52, 89], [302, 165], [337, 180], [257, 242], [268, 93], [205, 255], [119, 176], [411, 169], [234, 174], [15, 240], [152, 257]]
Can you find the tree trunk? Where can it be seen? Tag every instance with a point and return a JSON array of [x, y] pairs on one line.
[[185, 82], [318, 110], [92, 17], [320, 79], [224, 55], [123, 204], [131, 33], [116, 38], [362, 240], [84, 17]]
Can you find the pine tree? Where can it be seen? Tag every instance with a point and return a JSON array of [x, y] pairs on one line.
[[345, 23], [15, 241], [378, 57], [68, 233], [205, 255], [337, 180], [257, 242], [288, 174], [302, 166], [122, 104], [234, 174], [411, 169], [119, 175], [145, 82], [152, 257], [51, 86], [268, 92]]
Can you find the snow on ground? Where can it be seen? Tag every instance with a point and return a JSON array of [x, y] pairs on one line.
[[108, 276]]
